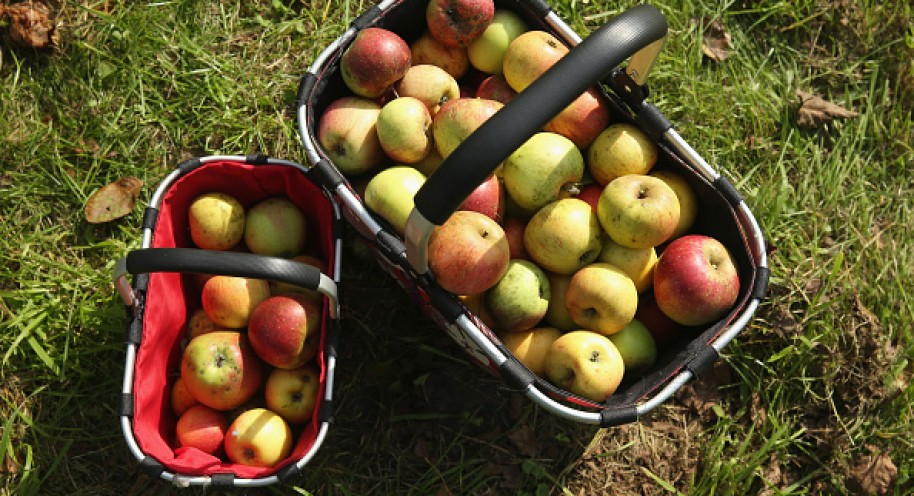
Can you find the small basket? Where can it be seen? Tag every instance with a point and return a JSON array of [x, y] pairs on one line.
[[636, 35], [163, 285]]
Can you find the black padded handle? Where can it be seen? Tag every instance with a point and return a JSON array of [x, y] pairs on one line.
[[228, 263], [527, 113]]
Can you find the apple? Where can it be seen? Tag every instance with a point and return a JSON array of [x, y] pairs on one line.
[[688, 201], [428, 50], [696, 281], [529, 56], [590, 193], [376, 59], [278, 287], [601, 298], [662, 328], [459, 118], [557, 314], [347, 131], [199, 323], [496, 88], [390, 194], [405, 129], [293, 393], [618, 150], [276, 227], [284, 329], [430, 84], [637, 263], [488, 198], [637, 347], [259, 438], [563, 236], [487, 52], [583, 120], [457, 23], [531, 346], [468, 253], [476, 304], [180, 398], [229, 301], [519, 300], [221, 370], [543, 169], [514, 230], [638, 211], [216, 221], [585, 363], [203, 428], [428, 165]]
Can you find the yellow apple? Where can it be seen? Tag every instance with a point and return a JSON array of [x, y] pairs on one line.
[[276, 227], [259, 438], [637, 263], [557, 314], [531, 346], [404, 129], [216, 221], [601, 298], [618, 150], [688, 201], [563, 236], [638, 210], [293, 393], [390, 194], [585, 363]]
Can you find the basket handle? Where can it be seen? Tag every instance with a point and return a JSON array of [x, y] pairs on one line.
[[641, 27], [238, 264]]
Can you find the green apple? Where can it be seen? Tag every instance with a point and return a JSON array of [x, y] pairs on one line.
[[293, 393], [601, 298], [216, 221], [347, 131], [638, 211], [637, 347], [276, 227], [543, 170], [618, 150], [520, 298], [259, 438], [531, 346], [563, 236], [487, 52], [430, 84], [221, 370], [637, 263], [405, 129], [390, 194], [585, 363]]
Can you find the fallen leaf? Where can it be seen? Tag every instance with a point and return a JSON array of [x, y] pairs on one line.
[[815, 112], [716, 40], [872, 474], [525, 440], [113, 200], [31, 25]]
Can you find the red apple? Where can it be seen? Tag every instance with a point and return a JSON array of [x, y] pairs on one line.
[[468, 253], [457, 23], [488, 198], [514, 230], [376, 59], [695, 280], [284, 328], [662, 328], [496, 88], [590, 193], [203, 428], [181, 399], [583, 119], [221, 370]]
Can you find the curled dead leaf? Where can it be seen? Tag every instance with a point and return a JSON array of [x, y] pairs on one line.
[[31, 24], [716, 40], [873, 474], [113, 200], [815, 112]]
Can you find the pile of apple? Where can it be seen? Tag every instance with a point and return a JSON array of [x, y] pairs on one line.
[[248, 370], [576, 250]]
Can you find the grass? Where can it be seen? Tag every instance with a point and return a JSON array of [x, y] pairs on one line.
[[818, 384]]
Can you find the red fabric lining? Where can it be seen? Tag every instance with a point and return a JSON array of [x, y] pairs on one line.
[[170, 294]]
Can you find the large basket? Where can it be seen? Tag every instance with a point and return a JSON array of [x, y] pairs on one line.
[[636, 36], [164, 290]]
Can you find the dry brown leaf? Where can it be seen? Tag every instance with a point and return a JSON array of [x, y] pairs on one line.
[[873, 474], [815, 111], [113, 200], [716, 40], [31, 25]]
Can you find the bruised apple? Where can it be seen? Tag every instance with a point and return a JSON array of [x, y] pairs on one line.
[[457, 23]]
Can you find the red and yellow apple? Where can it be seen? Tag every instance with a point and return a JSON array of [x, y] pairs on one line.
[[347, 131], [583, 120], [468, 253], [457, 23], [276, 227], [428, 50], [259, 438], [430, 84], [283, 330], [457, 119], [221, 370], [529, 56], [229, 301], [376, 59]]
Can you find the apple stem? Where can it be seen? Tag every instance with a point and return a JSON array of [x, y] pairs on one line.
[[595, 356], [573, 189]]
